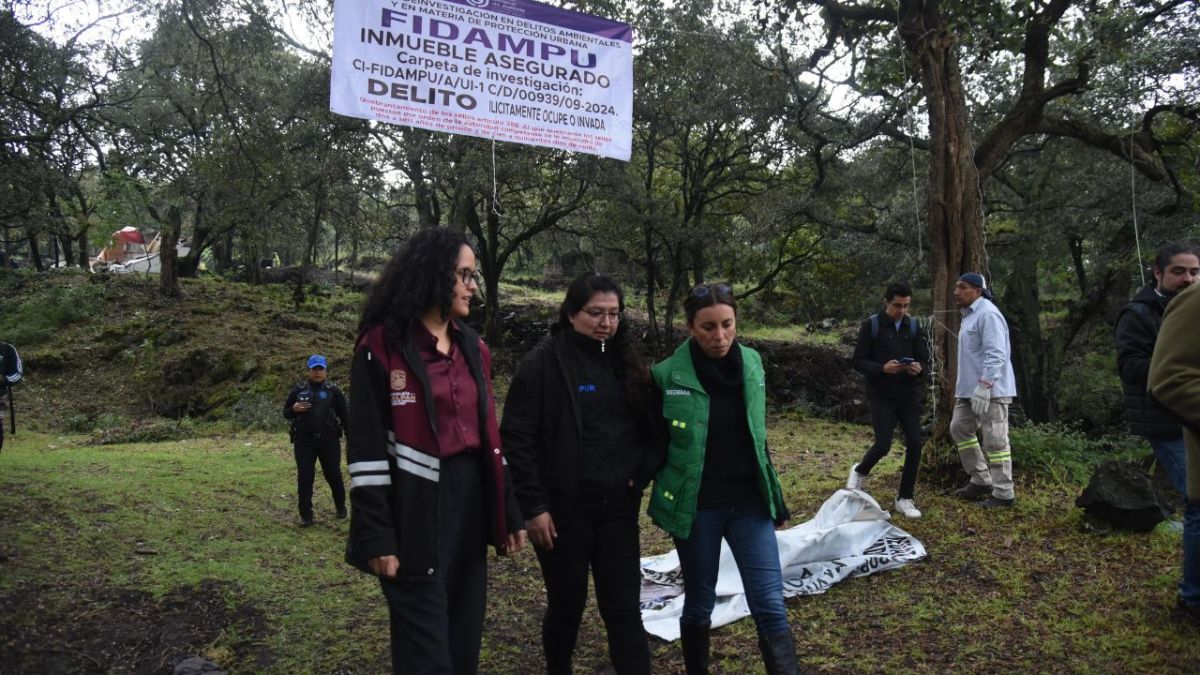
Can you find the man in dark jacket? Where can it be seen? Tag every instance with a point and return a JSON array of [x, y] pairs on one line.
[[891, 353], [10, 374], [318, 412], [1176, 266]]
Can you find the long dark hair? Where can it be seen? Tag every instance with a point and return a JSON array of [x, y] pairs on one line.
[[635, 375], [419, 277]]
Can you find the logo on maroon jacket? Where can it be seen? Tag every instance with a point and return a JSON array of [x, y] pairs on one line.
[[399, 379]]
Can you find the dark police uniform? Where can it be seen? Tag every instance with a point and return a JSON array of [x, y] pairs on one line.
[[316, 435], [10, 374]]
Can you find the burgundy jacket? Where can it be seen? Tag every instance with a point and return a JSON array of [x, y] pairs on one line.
[[393, 455]]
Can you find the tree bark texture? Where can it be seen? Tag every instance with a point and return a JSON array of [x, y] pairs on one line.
[[954, 213], [168, 277]]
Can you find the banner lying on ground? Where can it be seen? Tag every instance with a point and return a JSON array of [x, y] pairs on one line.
[[512, 70], [850, 536]]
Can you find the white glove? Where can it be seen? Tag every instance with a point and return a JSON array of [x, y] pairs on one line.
[[981, 400]]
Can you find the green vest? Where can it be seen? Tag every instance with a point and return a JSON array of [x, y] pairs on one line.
[[685, 409]]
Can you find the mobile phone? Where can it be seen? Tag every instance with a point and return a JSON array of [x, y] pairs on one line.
[[906, 360]]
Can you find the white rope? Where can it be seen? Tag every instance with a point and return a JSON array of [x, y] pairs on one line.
[[912, 150], [1137, 236], [495, 184]]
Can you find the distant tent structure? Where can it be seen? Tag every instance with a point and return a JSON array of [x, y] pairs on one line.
[[127, 251]]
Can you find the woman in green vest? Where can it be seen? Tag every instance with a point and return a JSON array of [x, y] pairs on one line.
[[718, 482]]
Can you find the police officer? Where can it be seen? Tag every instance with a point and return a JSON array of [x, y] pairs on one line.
[[319, 416], [10, 374]]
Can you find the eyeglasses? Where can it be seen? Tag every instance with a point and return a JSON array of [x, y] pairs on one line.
[[703, 290], [598, 315], [469, 276]]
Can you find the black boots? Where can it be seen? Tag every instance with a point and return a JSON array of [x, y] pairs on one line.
[[779, 653], [695, 648]]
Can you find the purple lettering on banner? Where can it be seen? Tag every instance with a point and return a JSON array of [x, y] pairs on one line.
[[556, 16], [509, 70]]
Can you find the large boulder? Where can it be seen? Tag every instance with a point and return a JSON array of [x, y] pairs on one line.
[[1121, 495]]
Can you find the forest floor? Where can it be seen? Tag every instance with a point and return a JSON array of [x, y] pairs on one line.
[[147, 515], [129, 558]]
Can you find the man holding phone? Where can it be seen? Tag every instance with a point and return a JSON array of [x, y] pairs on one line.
[[319, 415], [892, 353]]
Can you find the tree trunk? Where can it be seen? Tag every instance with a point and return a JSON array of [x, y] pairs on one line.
[[310, 243], [168, 278], [67, 243], [654, 336], [35, 254], [1033, 363], [189, 265], [81, 241], [953, 209]]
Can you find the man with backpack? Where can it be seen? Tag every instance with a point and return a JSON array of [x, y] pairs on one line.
[[319, 415], [10, 374], [892, 353]]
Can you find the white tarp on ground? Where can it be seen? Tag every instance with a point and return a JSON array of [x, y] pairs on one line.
[[850, 536]]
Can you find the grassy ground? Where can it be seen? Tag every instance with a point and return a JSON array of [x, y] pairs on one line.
[[127, 558]]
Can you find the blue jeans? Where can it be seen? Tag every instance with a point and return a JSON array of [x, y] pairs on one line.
[[751, 536], [1172, 455], [1189, 586]]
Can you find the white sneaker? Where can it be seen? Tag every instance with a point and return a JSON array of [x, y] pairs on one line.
[[856, 481], [908, 508]]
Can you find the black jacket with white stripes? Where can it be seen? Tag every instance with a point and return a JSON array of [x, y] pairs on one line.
[[393, 456]]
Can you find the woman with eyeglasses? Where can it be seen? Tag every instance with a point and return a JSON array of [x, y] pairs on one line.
[[718, 481], [429, 489], [581, 446]]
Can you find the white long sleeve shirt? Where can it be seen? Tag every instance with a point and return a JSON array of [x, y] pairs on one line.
[[984, 352]]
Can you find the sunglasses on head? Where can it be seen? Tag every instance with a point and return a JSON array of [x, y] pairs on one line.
[[703, 290]]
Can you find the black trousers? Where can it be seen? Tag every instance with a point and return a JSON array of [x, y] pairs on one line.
[[885, 412], [436, 620], [308, 450], [603, 534]]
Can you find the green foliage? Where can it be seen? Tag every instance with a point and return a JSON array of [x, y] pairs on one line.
[[37, 318], [254, 411], [1063, 453], [150, 431], [218, 512], [1090, 390]]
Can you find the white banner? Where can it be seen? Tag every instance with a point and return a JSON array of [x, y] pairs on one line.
[[850, 536], [512, 70]]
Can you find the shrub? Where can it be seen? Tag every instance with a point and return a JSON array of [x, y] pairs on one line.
[[255, 412], [1064, 453], [1090, 390], [40, 316], [146, 431]]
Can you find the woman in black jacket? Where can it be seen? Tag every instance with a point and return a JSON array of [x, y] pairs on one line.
[[581, 449], [428, 485]]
